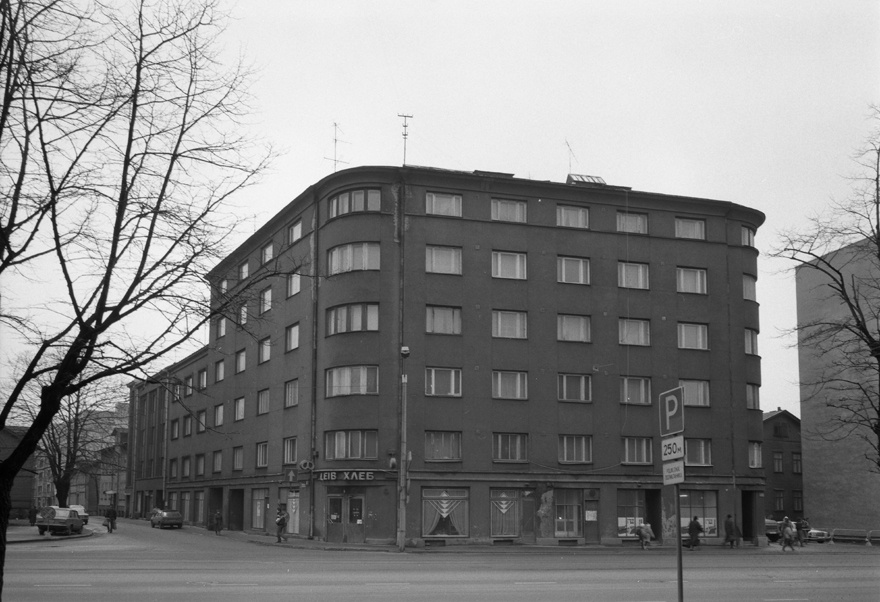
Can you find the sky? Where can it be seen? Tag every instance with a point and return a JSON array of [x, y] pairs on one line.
[[761, 103]]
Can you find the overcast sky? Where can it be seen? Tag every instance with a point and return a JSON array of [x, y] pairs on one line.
[[760, 103]]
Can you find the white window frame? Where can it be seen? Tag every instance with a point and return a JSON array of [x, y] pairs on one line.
[[632, 223], [510, 447], [509, 210], [267, 253], [243, 314], [351, 380], [692, 281], [244, 270], [510, 324], [694, 229], [634, 331], [751, 341], [238, 458], [635, 390], [753, 396], [354, 257], [294, 232], [263, 401], [351, 445], [509, 265], [748, 236], [289, 447], [262, 459], [693, 336], [442, 382], [443, 260], [695, 393], [217, 461], [201, 421], [755, 455], [750, 288], [575, 449], [294, 284], [579, 267], [238, 406], [265, 300], [353, 317], [264, 350], [698, 452], [291, 337], [291, 393], [572, 328], [570, 216], [574, 387], [219, 370], [443, 203], [510, 384], [221, 327], [218, 415], [442, 320], [633, 275], [638, 450], [442, 446]]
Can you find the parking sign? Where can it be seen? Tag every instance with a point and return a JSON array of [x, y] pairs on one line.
[[672, 412]]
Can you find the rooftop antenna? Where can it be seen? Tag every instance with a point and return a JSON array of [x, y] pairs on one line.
[[405, 134], [336, 141], [570, 155]]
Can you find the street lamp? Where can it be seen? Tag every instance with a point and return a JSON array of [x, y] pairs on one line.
[[403, 464]]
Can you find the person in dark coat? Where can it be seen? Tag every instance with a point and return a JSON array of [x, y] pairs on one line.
[[694, 530], [32, 516], [281, 519], [111, 520], [730, 529], [217, 522]]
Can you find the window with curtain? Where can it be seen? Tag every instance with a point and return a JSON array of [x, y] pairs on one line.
[[573, 270], [690, 280], [635, 390], [509, 265], [443, 260], [632, 275], [352, 380], [445, 512], [509, 324], [690, 228], [442, 320], [505, 512], [504, 210]]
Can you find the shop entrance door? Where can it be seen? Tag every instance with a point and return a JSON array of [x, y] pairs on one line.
[[345, 518]]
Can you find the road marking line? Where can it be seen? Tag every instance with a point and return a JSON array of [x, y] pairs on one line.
[[534, 582], [63, 585]]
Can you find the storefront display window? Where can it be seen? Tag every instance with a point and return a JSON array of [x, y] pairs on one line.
[[445, 512], [703, 505], [630, 511]]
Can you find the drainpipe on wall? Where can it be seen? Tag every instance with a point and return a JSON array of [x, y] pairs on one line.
[[313, 423]]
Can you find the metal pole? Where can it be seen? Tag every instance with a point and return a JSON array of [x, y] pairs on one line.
[[402, 471], [678, 535]]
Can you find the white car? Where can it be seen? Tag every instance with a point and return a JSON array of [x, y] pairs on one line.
[[81, 511]]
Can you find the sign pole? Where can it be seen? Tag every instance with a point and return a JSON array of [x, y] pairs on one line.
[[678, 536]]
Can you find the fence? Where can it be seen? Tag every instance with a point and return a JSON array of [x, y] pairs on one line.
[[855, 536]]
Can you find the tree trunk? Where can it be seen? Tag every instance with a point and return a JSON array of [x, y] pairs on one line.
[[62, 491], [5, 508]]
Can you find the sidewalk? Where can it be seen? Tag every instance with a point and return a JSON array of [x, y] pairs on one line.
[[21, 531]]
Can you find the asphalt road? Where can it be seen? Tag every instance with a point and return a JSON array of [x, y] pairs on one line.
[[137, 563]]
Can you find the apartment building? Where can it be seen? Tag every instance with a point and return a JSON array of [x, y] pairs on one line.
[[456, 357]]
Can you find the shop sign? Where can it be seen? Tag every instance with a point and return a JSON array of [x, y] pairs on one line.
[[345, 475]]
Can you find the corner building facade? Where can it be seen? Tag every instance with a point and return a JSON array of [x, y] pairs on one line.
[[520, 331]]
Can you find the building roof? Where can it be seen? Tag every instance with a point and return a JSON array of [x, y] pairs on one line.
[[780, 412]]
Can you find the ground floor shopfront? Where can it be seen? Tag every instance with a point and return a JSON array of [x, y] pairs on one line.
[[355, 506]]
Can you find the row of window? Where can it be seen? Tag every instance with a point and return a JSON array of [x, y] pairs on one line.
[[797, 465], [445, 446]]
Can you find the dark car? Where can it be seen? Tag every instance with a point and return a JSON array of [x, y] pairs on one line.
[[166, 518], [59, 520]]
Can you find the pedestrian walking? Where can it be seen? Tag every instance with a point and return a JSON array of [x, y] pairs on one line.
[[32, 515], [281, 519], [730, 531], [788, 534], [694, 530], [645, 535], [806, 527], [217, 522], [111, 520]]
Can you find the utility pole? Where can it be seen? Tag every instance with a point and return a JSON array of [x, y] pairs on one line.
[[405, 133]]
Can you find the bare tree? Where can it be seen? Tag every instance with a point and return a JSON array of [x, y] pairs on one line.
[[81, 430], [119, 151], [841, 252]]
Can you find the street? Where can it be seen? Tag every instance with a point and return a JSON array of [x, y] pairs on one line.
[[137, 563]]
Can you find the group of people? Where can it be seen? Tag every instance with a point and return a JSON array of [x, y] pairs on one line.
[[793, 531], [732, 534], [281, 520]]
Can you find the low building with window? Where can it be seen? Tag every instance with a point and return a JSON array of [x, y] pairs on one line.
[[783, 466], [501, 340]]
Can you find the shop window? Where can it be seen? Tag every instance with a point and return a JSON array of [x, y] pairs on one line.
[[445, 512]]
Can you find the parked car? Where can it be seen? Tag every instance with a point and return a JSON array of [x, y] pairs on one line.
[[59, 520], [81, 511], [771, 530], [166, 518], [818, 535]]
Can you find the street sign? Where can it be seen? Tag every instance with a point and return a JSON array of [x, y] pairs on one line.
[[671, 412], [672, 448], [673, 472]]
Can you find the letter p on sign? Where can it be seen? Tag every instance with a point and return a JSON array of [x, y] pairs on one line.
[[672, 412]]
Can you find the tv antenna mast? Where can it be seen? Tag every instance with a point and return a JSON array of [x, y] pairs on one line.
[[336, 141], [570, 155], [405, 133]]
